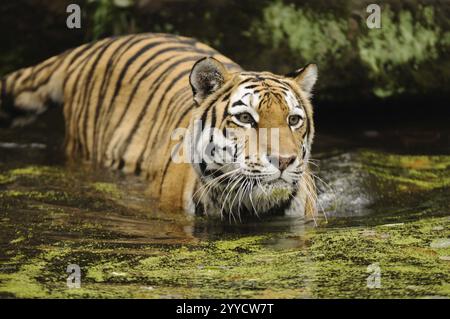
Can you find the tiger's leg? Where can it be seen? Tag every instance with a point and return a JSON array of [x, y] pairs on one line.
[[304, 204]]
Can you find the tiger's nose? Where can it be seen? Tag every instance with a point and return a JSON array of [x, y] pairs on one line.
[[282, 162]]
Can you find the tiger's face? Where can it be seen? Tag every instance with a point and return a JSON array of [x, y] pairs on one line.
[[254, 136]]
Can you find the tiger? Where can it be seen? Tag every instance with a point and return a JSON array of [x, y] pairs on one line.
[[123, 97]]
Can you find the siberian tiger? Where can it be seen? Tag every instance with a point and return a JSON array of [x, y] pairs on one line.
[[124, 97]]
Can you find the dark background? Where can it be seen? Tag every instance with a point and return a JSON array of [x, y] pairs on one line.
[[376, 86]]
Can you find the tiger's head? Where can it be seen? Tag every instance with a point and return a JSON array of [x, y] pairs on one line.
[[251, 137]]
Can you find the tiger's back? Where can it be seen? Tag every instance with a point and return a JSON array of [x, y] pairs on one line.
[[124, 97]]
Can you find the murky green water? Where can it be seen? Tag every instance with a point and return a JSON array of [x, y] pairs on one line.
[[384, 209]]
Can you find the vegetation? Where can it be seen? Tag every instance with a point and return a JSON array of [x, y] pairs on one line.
[[388, 209], [133, 251], [406, 57]]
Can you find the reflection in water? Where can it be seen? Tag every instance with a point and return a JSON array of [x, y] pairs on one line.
[[350, 184], [207, 229], [52, 213]]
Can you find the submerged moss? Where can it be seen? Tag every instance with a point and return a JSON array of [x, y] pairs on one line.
[[39, 174], [35, 171], [36, 195], [23, 284], [4, 179], [333, 264], [125, 253], [422, 172], [108, 188]]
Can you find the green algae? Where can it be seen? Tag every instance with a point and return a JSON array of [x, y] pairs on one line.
[[422, 172], [404, 56], [47, 228], [305, 32], [107, 188], [35, 195], [36, 171], [403, 254], [17, 240], [41, 174], [23, 284], [334, 264], [5, 179], [30, 185]]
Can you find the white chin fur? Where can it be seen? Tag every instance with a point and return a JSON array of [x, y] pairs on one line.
[[257, 200], [275, 191], [267, 196]]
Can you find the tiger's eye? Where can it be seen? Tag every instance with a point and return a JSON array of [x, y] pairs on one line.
[[294, 120], [245, 118]]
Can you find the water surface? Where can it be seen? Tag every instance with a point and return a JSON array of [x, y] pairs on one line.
[[385, 205]]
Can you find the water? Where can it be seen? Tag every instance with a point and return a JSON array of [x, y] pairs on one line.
[[385, 198]]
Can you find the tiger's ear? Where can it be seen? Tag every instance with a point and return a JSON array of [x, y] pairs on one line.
[[207, 76], [305, 77]]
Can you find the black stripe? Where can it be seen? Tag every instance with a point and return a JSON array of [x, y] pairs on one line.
[[76, 56], [226, 97], [135, 88], [226, 89], [246, 81], [274, 80], [121, 164], [90, 86], [124, 146], [177, 48], [169, 115], [79, 51], [225, 110], [132, 60], [37, 86], [213, 117], [238, 103], [13, 79], [182, 116], [202, 122], [138, 169], [35, 70], [81, 66], [176, 79], [185, 112], [88, 89], [202, 166], [149, 72], [175, 105], [203, 118], [106, 80], [71, 115]]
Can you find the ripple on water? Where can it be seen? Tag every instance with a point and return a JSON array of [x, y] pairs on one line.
[[51, 216]]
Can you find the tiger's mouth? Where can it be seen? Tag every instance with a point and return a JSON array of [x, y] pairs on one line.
[[268, 198], [277, 190], [240, 195]]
